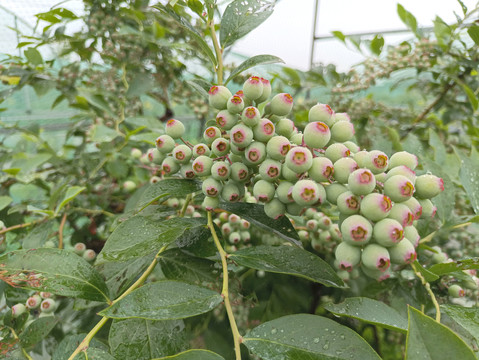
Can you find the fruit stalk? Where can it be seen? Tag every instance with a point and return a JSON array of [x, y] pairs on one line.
[[429, 291]]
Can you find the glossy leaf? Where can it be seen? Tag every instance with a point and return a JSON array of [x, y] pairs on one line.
[[473, 32], [195, 354], [71, 193], [162, 190], [306, 336], [142, 235], [242, 16], [57, 271], [164, 300], [370, 311], [469, 175], [34, 56], [145, 339], [253, 61], [37, 331], [38, 235], [428, 339], [428, 275], [254, 213], [93, 353], [467, 319], [458, 265], [407, 18], [69, 343], [5, 201], [377, 44], [288, 260]]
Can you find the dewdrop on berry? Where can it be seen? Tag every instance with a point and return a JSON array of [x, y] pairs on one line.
[[336, 151], [428, 186], [347, 256], [376, 257], [316, 134], [226, 120], [299, 159], [264, 130], [388, 232], [218, 97], [356, 230], [281, 104], [202, 165], [375, 206], [361, 182], [348, 203], [174, 128], [320, 112], [308, 192], [321, 170], [250, 116], [165, 143], [342, 131], [343, 168], [278, 147], [253, 88]]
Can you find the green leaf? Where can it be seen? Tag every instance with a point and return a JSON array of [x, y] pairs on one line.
[[458, 265], [442, 31], [71, 193], [254, 213], [191, 31], [463, 7], [37, 331], [470, 94], [428, 339], [466, 318], [370, 311], [241, 17], [196, 6], [473, 32], [95, 354], [469, 176], [70, 342], [428, 275], [198, 88], [5, 201], [407, 18], [339, 35], [195, 354], [377, 44], [140, 84], [142, 235], [102, 133], [165, 188], [305, 336], [164, 300], [288, 260], [438, 145], [96, 100], [34, 56], [176, 265], [37, 237], [57, 271], [145, 339], [254, 61]]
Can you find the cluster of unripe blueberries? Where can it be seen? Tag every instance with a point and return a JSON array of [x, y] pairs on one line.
[[253, 145], [41, 303]]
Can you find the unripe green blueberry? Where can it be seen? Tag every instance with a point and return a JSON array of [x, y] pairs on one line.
[[336, 151], [402, 214], [402, 253], [274, 208], [375, 206], [288, 174], [234, 219], [202, 165], [255, 153], [335, 233], [403, 158], [170, 166], [344, 275], [235, 104], [135, 153], [144, 159], [220, 170], [278, 147], [316, 134], [410, 233], [399, 188], [297, 139], [342, 131], [285, 127], [264, 130], [223, 216], [341, 117], [352, 146], [333, 191], [18, 309], [239, 172], [343, 168], [361, 182], [299, 159], [174, 128], [232, 192], [303, 235], [284, 192], [347, 256], [219, 96], [376, 257], [348, 203], [226, 120], [49, 244], [79, 248], [245, 224], [241, 135], [294, 209], [281, 104], [428, 186], [376, 161], [48, 306], [266, 91], [263, 191], [376, 274], [320, 112], [182, 154], [428, 208], [220, 147], [155, 156], [356, 230], [33, 302], [211, 187], [211, 133], [250, 116], [308, 192], [245, 236], [312, 225], [253, 88], [456, 291], [362, 158], [210, 203], [237, 153], [414, 206], [129, 185], [200, 149], [275, 118], [404, 171], [270, 170], [321, 170], [381, 177], [324, 222], [388, 232], [234, 237], [439, 258], [89, 255], [165, 143], [45, 295]]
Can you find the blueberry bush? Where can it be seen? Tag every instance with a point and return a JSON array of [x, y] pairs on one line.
[[288, 229]]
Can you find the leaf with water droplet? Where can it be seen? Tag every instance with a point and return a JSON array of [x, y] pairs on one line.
[[37, 331], [194, 354], [370, 311], [453, 266], [164, 189], [288, 260], [300, 340], [464, 321]]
